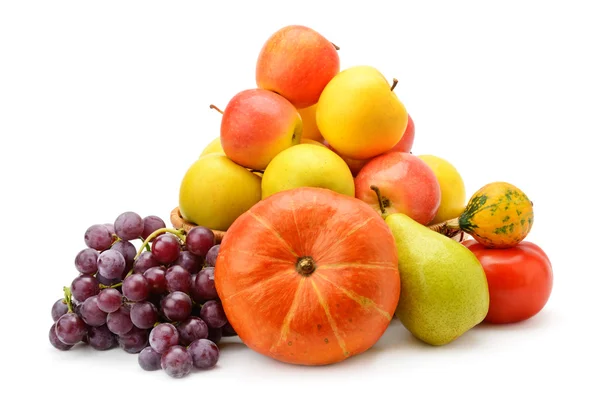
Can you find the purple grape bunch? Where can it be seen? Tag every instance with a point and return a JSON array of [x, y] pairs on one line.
[[158, 302]]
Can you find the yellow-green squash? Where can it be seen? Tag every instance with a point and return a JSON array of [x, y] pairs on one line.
[[499, 215]]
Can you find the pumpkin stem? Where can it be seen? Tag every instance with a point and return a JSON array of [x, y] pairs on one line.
[[383, 202], [212, 106], [305, 265]]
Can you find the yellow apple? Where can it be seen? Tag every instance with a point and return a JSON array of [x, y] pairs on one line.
[[452, 188], [307, 165], [213, 147], [309, 123], [215, 191], [359, 114]]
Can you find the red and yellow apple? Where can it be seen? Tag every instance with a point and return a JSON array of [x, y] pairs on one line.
[[399, 182], [257, 125], [408, 138], [297, 62]]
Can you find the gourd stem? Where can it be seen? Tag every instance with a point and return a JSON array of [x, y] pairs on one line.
[[446, 228]]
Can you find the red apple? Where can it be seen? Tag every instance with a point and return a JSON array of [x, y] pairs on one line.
[[406, 142], [405, 184], [257, 125], [297, 62]]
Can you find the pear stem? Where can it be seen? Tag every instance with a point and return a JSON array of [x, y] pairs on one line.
[[213, 107], [394, 83], [379, 198], [335, 46]]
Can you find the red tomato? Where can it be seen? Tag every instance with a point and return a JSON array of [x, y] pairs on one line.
[[519, 280]]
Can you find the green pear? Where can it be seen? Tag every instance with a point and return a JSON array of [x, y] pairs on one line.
[[444, 290]]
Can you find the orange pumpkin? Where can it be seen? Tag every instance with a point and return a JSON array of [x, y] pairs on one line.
[[309, 276]]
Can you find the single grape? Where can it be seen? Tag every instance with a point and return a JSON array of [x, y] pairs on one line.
[[228, 331], [199, 240], [156, 278], [204, 285], [166, 248], [144, 262], [98, 237], [192, 329], [111, 227], [119, 322], [127, 249], [176, 362], [211, 256], [149, 359], [215, 335], [70, 329], [59, 308], [144, 315], [111, 264], [86, 261], [178, 279], [204, 352], [176, 306], [188, 261], [101, 338], [55, 341], [151, 224], [91, 313], [163, 336], [129, 226], [133, 341], [84, 286], [109, 300], [213, 314], [135, 287]]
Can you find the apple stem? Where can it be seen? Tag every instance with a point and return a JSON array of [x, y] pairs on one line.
[[379, 198], [180, 233], [335, 46], [213, 107], [394, 83]]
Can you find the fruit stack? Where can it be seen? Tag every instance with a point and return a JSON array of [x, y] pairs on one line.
[[308, 226]]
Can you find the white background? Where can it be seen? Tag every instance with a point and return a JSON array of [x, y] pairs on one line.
[[104, 105]]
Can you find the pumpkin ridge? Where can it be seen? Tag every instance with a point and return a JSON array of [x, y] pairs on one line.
[[260, 283], [251, 254], [285, 326], [353, 230], [361, 300], [275, 233], [344, 265], [330, 319], [293, 210]]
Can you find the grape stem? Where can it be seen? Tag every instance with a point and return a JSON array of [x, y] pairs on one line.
[[68, 298], [180, 233], [116, 285]]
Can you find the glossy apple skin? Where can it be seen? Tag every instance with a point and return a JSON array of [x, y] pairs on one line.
[[408, 138], [297, 62], [406, 183], [257, 125]]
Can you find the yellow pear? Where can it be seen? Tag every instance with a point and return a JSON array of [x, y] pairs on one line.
[[452, 187], [215, 191], [359, 114], [307, 165], [309, 123], [213, 147]]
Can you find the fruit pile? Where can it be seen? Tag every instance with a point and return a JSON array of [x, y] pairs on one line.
[[304, 228], [159, 301]]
